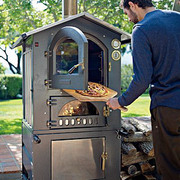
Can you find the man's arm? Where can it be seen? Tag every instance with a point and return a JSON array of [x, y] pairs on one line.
[[143, 70], [142, 65]]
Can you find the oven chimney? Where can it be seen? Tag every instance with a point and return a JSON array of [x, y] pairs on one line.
[[69, 8]]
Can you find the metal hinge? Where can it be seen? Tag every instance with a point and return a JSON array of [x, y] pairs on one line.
[[47, 53], [50, 102], [106, 111], [50, 123], [47, 83], [110, 67]]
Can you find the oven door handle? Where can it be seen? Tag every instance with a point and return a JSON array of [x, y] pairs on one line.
[[70, 71]]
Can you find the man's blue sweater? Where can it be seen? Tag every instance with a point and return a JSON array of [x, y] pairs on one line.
[[156, 60]]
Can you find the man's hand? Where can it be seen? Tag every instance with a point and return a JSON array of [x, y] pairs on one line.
[[113, 103]]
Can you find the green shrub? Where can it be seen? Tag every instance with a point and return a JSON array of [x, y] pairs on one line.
[[3, 89], [10, 86], [126, 76]]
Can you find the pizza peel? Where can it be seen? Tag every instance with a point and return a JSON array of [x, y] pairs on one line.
[[82, 98]]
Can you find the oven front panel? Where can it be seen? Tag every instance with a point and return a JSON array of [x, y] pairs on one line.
[[83, 163]]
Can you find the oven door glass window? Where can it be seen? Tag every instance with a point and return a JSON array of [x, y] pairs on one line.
[[66, 57], [77, 108]]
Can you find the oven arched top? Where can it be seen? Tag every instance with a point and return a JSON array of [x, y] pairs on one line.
[[69, 32]]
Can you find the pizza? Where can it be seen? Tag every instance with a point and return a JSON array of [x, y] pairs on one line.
[[94, 90]]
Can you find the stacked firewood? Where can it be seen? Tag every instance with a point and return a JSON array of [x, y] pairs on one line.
[[137, 149]]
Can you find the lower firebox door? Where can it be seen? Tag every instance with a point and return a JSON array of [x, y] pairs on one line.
[[77, 159]]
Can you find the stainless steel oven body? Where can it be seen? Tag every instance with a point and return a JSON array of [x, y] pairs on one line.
[[63, 138]]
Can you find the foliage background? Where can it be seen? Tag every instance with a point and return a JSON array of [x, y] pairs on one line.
[[21, 16], [10, 86]]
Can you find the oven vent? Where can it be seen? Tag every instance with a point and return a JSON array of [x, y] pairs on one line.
[[69, 8]]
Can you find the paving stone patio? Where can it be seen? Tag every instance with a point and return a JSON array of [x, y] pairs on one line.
[[10, 154]]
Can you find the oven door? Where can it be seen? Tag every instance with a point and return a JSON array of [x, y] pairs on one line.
[[68, 59], [77, 159], [68, 113]]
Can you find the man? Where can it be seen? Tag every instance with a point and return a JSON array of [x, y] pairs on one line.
[[156, 62]]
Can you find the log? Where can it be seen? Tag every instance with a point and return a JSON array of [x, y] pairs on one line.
[[143, 126], [137, 137], [146, 167], [125, 176], [147, 148], [128, 127], [149, 177], [131, 169], [128, 148], [134, 158]]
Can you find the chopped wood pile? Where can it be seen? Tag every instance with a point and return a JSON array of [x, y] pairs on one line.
[[138, 160]]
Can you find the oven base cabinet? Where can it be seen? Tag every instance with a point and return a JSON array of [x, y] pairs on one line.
[[71, 156]]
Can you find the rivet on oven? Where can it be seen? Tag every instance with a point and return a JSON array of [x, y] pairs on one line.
[[104, 36]]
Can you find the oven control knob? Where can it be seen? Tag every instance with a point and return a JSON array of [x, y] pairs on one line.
[[72, 122], [84, 121], [60, 122], [90, 121], [66, 122]]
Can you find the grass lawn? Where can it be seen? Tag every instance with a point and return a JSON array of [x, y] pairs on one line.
[[140, 107], [10, 116], [11, 113]]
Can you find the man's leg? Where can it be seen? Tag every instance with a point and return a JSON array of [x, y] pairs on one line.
[[166, 139]]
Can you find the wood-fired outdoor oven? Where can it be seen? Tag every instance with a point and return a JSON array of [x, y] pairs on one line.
[[63, 138]]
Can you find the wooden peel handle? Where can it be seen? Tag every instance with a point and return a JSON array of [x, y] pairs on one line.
[[124, 109]]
